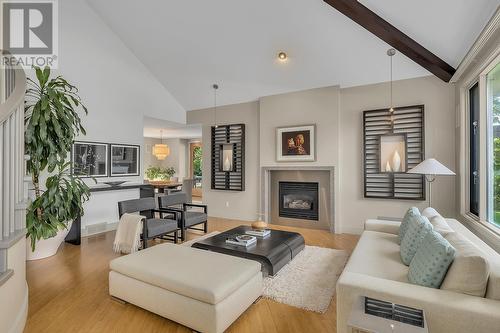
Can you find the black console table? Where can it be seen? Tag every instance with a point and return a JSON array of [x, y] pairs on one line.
[[75, 233]]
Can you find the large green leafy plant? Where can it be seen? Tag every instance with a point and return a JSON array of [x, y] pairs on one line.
[[52, 122]]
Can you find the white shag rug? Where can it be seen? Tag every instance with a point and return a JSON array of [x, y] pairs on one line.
[[308, 281]]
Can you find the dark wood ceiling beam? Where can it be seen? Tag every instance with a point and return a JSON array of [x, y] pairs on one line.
[[394, 37]]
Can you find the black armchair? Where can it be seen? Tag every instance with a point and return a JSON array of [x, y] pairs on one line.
[[187, 219], [152, 227]]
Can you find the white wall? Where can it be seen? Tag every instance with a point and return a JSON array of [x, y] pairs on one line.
[[116, 87], [232, 204], [337, 114], [14, 293]]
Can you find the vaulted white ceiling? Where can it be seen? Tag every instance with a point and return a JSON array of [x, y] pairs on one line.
[[163, 129], [188, 45]]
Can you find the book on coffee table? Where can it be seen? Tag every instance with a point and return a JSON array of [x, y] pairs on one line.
[[242, 240], [258, 232]]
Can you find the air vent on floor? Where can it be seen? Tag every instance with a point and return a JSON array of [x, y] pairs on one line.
[[395, 312]]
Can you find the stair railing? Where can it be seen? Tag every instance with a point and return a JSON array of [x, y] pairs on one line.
[[13, 180]]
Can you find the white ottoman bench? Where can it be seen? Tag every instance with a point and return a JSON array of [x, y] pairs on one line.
[[203, 290]]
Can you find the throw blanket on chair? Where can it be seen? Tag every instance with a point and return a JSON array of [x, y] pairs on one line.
[[128, 234]]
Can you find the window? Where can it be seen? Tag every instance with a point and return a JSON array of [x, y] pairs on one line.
[[493, 160], [474, 149], [483, 141]]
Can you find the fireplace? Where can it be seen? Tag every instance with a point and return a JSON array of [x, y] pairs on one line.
[[299, 200]]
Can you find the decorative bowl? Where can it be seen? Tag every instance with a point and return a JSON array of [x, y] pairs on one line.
[[115, 183]]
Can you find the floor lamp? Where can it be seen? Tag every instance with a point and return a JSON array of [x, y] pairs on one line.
[[431, 168]]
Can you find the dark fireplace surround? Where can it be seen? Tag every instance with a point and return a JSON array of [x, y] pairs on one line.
[[299, 200]]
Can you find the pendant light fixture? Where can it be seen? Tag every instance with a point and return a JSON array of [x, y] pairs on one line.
[[161, 150], [391, 53], [215, 86]]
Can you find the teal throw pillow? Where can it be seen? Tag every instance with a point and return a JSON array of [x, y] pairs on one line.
[[412, 212], [429, 265], [418, 227]]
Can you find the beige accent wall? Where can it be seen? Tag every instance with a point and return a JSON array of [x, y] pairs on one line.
[[178, 158], [438, 99], [337, 114], [231, 204], [148, 157], [315, 106]]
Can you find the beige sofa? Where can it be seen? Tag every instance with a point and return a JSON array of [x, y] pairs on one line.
[[203, 290], [376, 270]]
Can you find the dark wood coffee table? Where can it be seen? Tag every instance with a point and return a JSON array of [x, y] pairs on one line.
[[273, 251]]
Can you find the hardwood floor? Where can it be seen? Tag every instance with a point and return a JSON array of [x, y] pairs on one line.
[[69, 293]]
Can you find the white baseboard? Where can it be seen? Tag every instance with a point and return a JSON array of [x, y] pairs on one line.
[[22, 316], [96, 229]]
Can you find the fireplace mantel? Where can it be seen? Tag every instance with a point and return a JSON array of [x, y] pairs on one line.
[[265, 198]]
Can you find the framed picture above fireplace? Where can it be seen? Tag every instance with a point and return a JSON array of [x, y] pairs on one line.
[[296, 143]]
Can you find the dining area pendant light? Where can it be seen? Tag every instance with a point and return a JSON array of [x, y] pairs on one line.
[[161, 150], [215, 86], [391, 53]]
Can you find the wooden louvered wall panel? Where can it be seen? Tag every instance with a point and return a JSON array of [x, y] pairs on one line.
[[409, 122], [235, 135]]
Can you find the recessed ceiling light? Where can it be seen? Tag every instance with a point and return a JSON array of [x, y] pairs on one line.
[[282, 56]]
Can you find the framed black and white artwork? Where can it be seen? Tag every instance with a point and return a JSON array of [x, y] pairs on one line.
[[125, 160], [89, 159]]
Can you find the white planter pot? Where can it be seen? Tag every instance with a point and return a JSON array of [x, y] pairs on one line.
[[45, 248]]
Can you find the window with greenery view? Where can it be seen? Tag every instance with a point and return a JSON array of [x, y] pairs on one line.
[[197, 165], [493, 108]]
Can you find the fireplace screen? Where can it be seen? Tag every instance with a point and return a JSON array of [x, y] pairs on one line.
[[298, 200]]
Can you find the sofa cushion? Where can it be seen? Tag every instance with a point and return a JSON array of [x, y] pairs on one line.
[[493, 289], [377, 255], [440, 225], [468, 274], [412, 212], [418, 227], [210, 277], [429, 265], [390, 227], [430, 212]]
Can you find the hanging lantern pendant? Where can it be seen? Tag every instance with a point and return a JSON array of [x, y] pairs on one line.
[[161, 150]]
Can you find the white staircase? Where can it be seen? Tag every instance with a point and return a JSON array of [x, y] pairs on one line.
[[13, 199]]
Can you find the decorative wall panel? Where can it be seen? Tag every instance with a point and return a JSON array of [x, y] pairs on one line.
[[393, 142], [228, 168]]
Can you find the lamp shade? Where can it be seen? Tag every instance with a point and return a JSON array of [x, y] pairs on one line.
[[161, 151], [431, 167]]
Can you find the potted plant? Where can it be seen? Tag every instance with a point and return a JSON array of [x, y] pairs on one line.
[[52, 122], [159, 175]]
